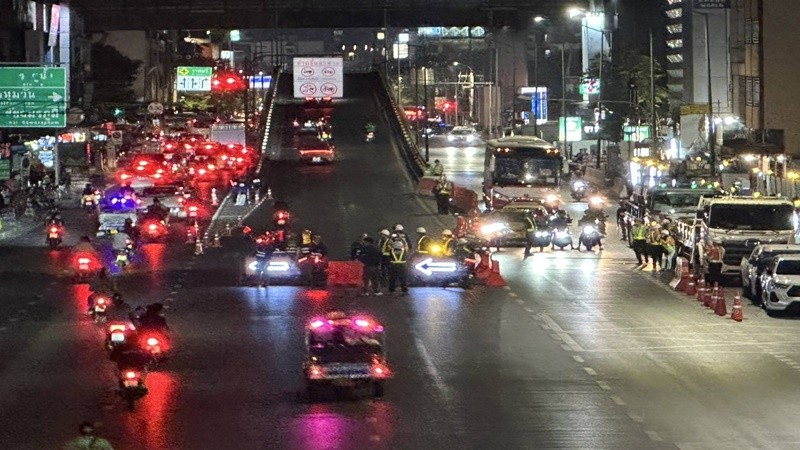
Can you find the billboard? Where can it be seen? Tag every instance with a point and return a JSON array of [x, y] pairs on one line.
[[538, 102], [318, 77]]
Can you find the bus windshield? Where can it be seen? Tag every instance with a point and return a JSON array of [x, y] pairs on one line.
[[526, 166]]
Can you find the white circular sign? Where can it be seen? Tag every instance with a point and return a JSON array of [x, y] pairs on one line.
[[155, 108], [308, 89]]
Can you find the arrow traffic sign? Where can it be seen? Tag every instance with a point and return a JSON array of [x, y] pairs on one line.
[[428, 267], [33, 97]]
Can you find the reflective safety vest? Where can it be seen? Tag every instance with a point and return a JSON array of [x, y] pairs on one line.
[[386, 246], [423, 244], [530, 226], [446, 246], [639, 232], [398, 256]]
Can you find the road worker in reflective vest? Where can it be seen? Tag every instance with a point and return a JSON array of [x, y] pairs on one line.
[[424, 241], [639, 240], [398, 273], [384, 245]]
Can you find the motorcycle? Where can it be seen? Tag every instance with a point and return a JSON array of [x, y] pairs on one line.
[[90, 201], [590, 237], [315, 266], [131, 385], [370, 138], [154, 344], [99, 306], [541, 239], [122, 260], [117, 334], [562, 237], [83, 270], [154, 231], [579, 189], [54, 233]]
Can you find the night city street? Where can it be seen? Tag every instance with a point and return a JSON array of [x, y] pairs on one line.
[[336, 225]]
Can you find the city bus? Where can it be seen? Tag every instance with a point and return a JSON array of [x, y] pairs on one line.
[[520, 166]]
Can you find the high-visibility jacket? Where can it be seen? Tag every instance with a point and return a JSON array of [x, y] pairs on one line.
[[398, 256], [385, 245], [639, 232], [530, 225], [424, 243], [448, 246]]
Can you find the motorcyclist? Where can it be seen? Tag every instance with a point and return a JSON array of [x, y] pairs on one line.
[[156, 211], [424, 241], [152, 319], [120, 311], [120, 242], [84, 248], [131, 230], [101, 284], [370, 127], [55, 218], [87, 439], [317, 246], [88, 189], [560, 220]]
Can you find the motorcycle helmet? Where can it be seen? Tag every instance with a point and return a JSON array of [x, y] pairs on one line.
[[447, 233], [128, 221], [156, 201], [398, 227], [385, 233], [421, 230], [665, 232]]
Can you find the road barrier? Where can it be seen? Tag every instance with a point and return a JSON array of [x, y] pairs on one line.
[[682, 276], [721, 306], [737, 313], [345, 273]]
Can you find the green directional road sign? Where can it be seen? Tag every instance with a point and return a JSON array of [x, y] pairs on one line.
[[194, 78], [33, 97]]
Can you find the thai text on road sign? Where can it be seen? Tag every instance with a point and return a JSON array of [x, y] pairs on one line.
[[33, 97], [318, 77], [196, 79]]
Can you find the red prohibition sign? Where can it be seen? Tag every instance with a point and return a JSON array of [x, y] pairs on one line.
[[308, 89]]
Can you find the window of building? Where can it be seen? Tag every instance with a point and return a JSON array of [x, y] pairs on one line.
[[675, 43], [675, 28], [751, 30], [676, 58], [674, 13], [752, 93]]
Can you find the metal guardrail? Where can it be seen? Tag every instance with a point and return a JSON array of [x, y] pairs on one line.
[[414, 160]]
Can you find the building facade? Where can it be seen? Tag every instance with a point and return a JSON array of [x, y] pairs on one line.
[[765, 64]]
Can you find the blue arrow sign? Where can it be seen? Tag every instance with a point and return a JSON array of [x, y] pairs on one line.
[[428, 267]]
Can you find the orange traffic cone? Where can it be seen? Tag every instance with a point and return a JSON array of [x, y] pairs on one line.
[[709, 297], [495, 279], [189, 236], [701, 293], [721, 307], [737, 313], [691, 288], [198, 246]]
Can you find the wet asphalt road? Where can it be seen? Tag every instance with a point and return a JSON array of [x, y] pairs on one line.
[[583, 350]]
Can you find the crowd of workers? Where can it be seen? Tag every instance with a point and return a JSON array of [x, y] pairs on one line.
[[651, 242]]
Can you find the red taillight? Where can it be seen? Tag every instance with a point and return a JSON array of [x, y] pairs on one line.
[[193, 208], [101, 301], [124, 176], [54, 230], [202, 171], [152, 341], [380, 371], [131, 375], [316, 372]]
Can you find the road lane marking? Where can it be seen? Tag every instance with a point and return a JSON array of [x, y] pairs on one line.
[[169, 299], [508, 288], [433, 372], [577, 358], [528, 310], [564, 336], [555, 337], [512, 294], [31, 303], [590, 371], [520, 302], [22, 311], [617, 400], [653, 436], [604, 385], [635, 417]]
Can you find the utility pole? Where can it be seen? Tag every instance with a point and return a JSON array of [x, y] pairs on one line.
[[564, 97], [600, 96], [653, 90], [712, 132], [536, 84]]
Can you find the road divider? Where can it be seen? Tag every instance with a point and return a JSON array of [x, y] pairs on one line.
[[345, 273]]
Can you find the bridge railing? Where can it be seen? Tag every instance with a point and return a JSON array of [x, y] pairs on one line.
[[414, 160]]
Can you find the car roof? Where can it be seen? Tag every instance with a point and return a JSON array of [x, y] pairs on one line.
[[787, 257]]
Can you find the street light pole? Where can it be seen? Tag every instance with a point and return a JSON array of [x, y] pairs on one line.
[[564, 97], [600, 98], [712, 135]]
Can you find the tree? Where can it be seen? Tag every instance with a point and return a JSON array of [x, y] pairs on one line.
[[113, 74], [634, 70]]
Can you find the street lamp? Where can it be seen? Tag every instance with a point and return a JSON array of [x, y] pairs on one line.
[[471, 75], [574, 13]]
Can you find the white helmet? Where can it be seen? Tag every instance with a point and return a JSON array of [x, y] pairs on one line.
[[398, 227], [447, 233], [421, 230], [461, 241], [385, 233], [398, 245]]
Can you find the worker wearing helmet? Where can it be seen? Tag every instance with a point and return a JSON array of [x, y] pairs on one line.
[[399, 231], [384, 243], [448, 244], [398, 256], [424, 241], [304, 246]]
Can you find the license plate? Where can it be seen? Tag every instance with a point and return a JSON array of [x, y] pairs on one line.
[[130, 383], [53, 235], [343, 383], [117, 337], [316, 159]]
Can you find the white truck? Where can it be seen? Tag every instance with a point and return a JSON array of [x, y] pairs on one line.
[[736, 225], [228, 133]]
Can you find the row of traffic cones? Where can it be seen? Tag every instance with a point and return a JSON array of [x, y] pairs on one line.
[[713, 297]]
